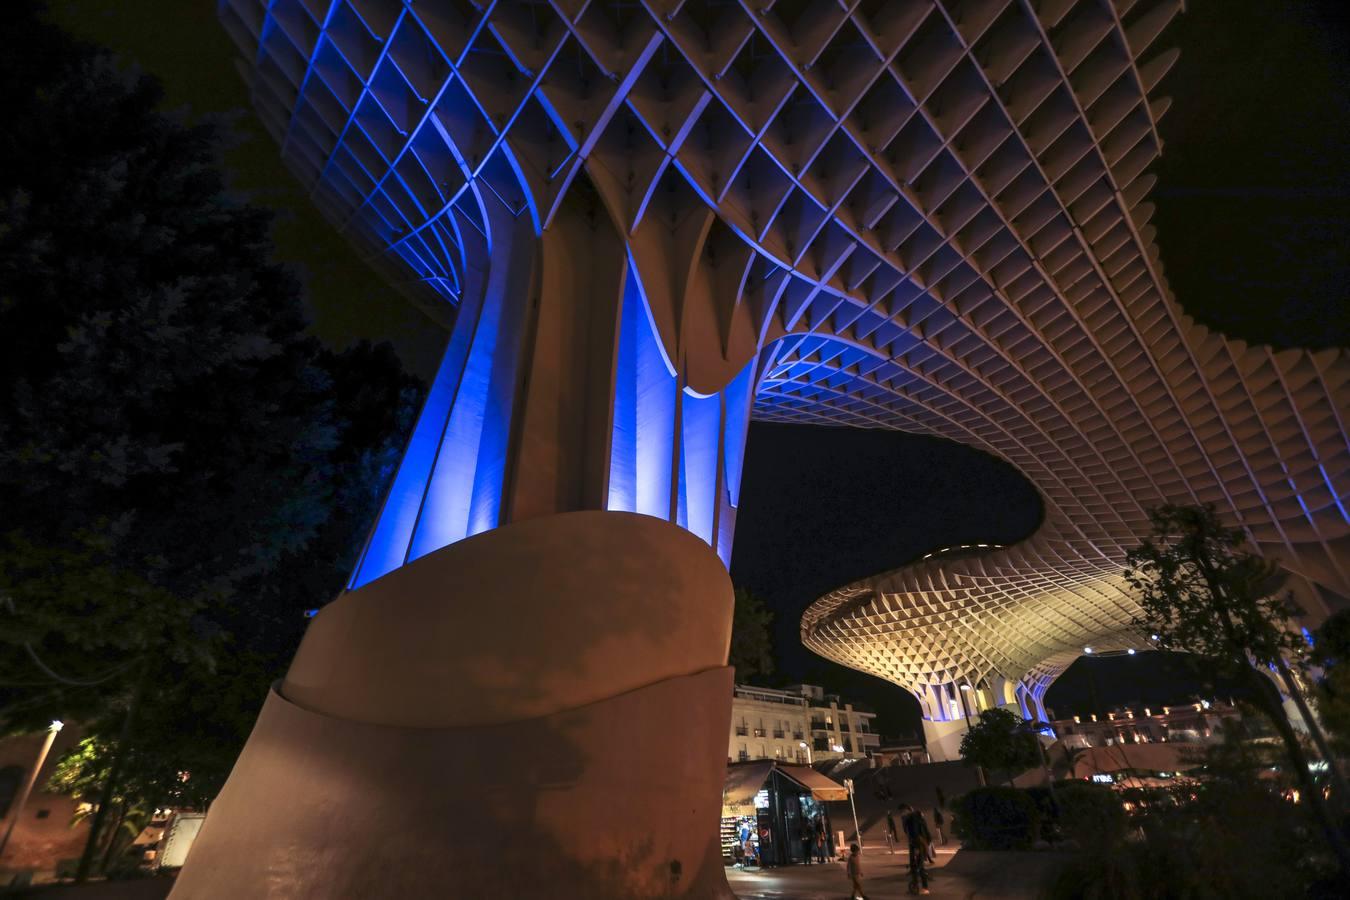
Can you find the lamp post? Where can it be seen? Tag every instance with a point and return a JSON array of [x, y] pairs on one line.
[[965, 708], [52, 729], [857, 833], [807, 747]]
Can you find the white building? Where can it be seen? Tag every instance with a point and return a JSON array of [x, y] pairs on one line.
[[799, 724]]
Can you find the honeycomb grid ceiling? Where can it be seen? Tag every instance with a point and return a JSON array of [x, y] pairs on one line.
[[942, 212]]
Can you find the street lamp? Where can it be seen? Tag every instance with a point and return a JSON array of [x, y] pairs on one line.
[[807, 747], [857, 833], [965, 708], [52, 729]]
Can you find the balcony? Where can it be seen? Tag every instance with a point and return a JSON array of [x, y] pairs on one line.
[[742, 730], [778, 733], [797, 735], [759, 732], [744, 756], [843, 727], [819, 725]]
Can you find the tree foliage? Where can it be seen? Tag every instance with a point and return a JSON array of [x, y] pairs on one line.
[[1000, 740], [1332, 652], [751, 637], [183, 469], [1203, 590]]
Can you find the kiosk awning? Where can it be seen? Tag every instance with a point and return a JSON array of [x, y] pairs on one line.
[[821, 787], [743, 782]]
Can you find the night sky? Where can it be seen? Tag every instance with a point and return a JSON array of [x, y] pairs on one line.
[[1253, 206]]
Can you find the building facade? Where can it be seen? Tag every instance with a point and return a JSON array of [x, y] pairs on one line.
[[800, 724], [1201, 722]]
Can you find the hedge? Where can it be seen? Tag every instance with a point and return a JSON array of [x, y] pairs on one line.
[[1090, 813], [996, 818], [1004, 818]]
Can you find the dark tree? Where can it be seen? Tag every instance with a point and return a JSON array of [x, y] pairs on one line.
[[1331, 649], [1000, 741], [1204, 591], [183, 470], [751, 642]]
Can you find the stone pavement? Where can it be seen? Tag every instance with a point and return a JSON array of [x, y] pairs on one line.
[[966, 874]]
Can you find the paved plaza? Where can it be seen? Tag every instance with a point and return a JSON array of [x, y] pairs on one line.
[[964, 874]]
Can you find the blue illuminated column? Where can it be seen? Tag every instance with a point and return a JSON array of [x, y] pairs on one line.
[[558, 393]]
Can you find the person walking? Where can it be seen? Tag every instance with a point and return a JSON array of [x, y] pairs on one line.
[[938, 822], [919, 839], [820, 839], [892, 836], [855, 873], [807, 835]]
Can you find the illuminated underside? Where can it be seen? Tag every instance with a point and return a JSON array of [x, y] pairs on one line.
[[929, 217]]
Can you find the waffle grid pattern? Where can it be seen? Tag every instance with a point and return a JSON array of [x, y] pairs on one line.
[[931, 216]]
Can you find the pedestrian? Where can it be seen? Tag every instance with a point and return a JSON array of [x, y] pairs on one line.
[[916, 833], [938, 822], [820, 839], [855, 873], [807, 835], [892, 836]]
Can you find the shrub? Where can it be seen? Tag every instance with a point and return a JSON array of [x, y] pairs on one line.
[[1230, 842], [996, 818], [1090, 813]]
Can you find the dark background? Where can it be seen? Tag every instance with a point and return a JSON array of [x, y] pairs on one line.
[[1251, 216]]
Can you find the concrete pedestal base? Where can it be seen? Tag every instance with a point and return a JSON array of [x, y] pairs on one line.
[[375, 771], [618, 800]]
